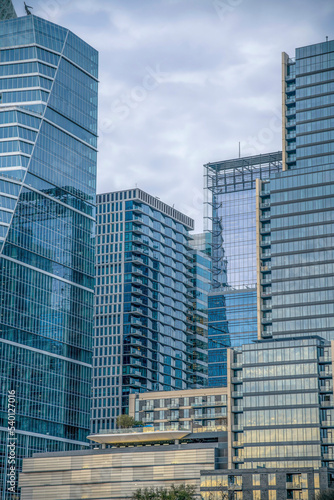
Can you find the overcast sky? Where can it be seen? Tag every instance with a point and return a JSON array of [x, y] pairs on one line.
[[183, 81]]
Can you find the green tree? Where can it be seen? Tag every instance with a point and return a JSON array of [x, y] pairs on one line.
[[181, 492], [125, 421]]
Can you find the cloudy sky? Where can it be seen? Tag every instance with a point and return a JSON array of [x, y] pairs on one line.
[[183, 81]]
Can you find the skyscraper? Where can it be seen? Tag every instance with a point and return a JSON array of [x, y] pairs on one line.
[[201, 270], [231, 218], [7, 10], [308, 106], [284, 393], [296, 208], [48, 135], [142, 301]]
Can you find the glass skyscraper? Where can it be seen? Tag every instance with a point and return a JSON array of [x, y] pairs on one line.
[[198, 313], [231, 218], [48, 135], [308, 102], [143, 283], [296, 207], [7, 10]]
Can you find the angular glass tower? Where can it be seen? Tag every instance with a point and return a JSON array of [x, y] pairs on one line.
[[7, 10], [142, 301], [48, 131]]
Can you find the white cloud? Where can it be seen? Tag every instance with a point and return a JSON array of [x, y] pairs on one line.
[[223, 83]]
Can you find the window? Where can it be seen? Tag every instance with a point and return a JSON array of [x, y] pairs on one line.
[[272, 480], [256, 495], [272, 495], [256, 479]]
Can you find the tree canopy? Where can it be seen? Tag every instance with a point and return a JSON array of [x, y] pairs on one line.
[[125, 421], [180, 492]]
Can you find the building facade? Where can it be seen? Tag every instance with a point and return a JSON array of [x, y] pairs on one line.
[[143, 297], [201, 270], [230, 189], [198, 410], [115, 473], [48, 139], [282, 404], [295, 253], [308, 106], [260, 484]]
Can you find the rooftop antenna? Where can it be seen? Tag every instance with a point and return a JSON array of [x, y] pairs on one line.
[[326, 38], [239, 150], [27, 7]]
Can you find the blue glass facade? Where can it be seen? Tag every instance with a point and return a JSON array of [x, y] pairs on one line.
[[309, 105], [297, 253], [231, 209], [198, 313], [48, 133], [296, 207], [142, 301]]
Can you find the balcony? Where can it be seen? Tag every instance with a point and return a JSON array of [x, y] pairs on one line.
[[325, 359], [266, 334], [147, 420], [291, 147], [266, 268], [237, 427], [266, 255], [236, 365], [147, 408], [325, 373], [291, 135], [237, 460], [208, 404], [290, 112], [173, 405], [237, 409], [326, 388], [290, 123], [328, 440], [328, 456], [237, 394], [265, 204], [265, 242], [327, 423], [237, 444], [236, 380], [294, 485], [326, 404]]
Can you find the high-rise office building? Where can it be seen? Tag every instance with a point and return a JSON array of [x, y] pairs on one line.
[[296, 208], [308, 106], [231, 219], [201, 270], [48, 136], [143, 284]]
